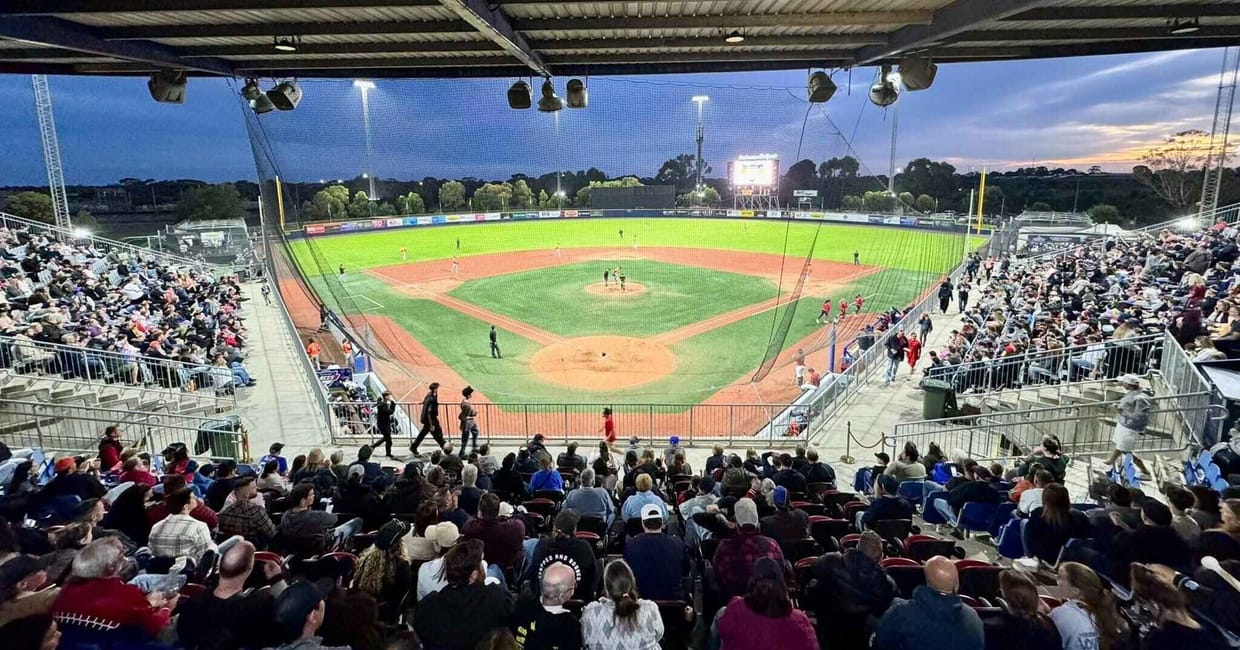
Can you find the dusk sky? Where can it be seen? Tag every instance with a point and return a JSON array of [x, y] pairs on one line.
[[1059, 112]]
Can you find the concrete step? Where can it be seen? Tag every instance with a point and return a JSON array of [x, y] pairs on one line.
[[17, 385], [26, 424], [63, 393]]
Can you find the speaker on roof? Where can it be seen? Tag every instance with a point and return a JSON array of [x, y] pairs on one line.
[[285, 96], [167, 86], [820, 87], [578, 94], [917, 72], [519, 96]]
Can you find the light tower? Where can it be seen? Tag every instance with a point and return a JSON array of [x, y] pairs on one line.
[[1219, 150], [51, 151], [366, 86], [701, 134]]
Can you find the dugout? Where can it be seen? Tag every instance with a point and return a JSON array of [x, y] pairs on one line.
[[650, 197]]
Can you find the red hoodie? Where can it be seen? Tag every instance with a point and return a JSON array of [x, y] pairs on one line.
[[106, 604]]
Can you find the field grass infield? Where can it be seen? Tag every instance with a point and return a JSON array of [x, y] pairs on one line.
[[709, 297]]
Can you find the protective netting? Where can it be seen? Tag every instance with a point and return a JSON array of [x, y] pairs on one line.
[[397, 293]]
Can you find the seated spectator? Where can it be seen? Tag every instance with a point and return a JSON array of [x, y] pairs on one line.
[[764, 616], [356, 497], [547, 477], [445, 536], [468, 591], [230, 616], [591, 501], [1206, 511], [525, 462], [735, 480], [178, 534], [563, 546], [501, 536], [23, 579], [907, 465], [127, 514], [1053, 524], [245, 516], [543, 622], [448, 504], [135, 470], [735, 556], [1088, 617], [656, 559], [818, 472], [1031, 499], [622, 618], [273, 455], [172, 484], [978, 490], [507, 480], [97, 598], [222, 486], [934, 619], [787, 524], [571, 458], [886, 504], [318, 470], [469, 492], [1119, 501], [645, 495], [704, 497], [68, 481], [419, 547], [1181, 503], [1175, 626], [1024, 482], [299, 613], [301, 523], [372, 472], [1048, 456], [351, 618], [383, 571], [679, 466], [852, 590], [110, 448], [1152, 542], [34, 631], [1021, 626], [270, 478], [408, 491], [450, 462], [789, 478]]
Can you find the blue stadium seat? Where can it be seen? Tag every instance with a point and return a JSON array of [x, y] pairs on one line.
[[975, 517], [1010, 541], [1003, 513], [913, 490], [929, 513]]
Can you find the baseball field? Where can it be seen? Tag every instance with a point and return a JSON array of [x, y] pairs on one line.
[[705, 303]]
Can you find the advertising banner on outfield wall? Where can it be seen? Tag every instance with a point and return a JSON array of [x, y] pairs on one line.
[[549, 214], [394, 223]]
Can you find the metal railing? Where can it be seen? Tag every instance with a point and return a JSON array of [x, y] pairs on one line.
[[77, 429], [1228, 214], [1134, 355], [1182, 378], [66, 234], [732, 424], [71, 364], [1083, 429]]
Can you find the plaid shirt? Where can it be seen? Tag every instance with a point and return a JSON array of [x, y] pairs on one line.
[[247, 519], [180, 536], [735, 557]]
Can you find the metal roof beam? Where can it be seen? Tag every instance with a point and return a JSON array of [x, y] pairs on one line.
[[492, 22], [284, 29], [806, 57], [54, 7], [66, 35], [834, 19], [194, 51], [956, 17], [1086, 34], [825, 40], [1219, 10]]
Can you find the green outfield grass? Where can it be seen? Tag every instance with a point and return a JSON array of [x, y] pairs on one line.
[[555, 299], [903, 248]]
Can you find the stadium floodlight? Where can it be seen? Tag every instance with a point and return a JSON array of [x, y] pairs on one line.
[[820, 87], [81, 233], [917, 72], [519, 96], [734, 37], [168, 86], [1183, 26], [1187, 224], [550, 101], [363, 84], [578, 94], [256, 98], [885, 90], [285, 96], [285, 43]]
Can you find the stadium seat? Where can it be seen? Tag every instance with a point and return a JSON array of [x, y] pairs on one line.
[[889, 562], [828, 531], [1010, 542], [913, 490], [1085, 507], [850, 541], [545, 507], [976, 517], [1003, 512], [798, 549], [923, 547], [811, 509], [907, 578], [892, 529], [980, 581], [931, 514]]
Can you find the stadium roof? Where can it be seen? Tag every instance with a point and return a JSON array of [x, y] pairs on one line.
[[491, 38]]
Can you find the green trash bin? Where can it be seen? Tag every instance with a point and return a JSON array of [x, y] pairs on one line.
[[938, 400]]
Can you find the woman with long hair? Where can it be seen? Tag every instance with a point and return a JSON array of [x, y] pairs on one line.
[[1206, 509], [764, 616], [1088, 617], [270, 478], [128, 514], [1176, 628], [1021, 626], [507, 480], [468, 592], [1229, 518], [621, 619], [383, 570], [1206, 350], [1052, 525], [299, 461]]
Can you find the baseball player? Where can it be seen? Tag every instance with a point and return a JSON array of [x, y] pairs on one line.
[[826, 311]]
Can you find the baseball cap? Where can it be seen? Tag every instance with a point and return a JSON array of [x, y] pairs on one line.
[[66, 464], [746, 512], [505, 509], [889, 484], [295, 604], [675, 440], [634, 441], [882, 455], [780, 496], [1130, 380], [651, 511], [444, 534], [276, 447], [356, 470], [19, 568], [390, 534]]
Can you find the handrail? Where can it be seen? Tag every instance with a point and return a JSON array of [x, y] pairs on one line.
[[97, 366], [69, 235], [1229, 213], [990, 367]]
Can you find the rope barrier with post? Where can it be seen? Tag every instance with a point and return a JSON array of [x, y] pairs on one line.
[[847, 458]]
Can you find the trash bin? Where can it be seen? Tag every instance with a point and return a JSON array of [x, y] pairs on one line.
[[220, 438], [938, 400]]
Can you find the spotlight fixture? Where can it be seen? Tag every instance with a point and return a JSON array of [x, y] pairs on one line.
[[578, 94], [917, 72], [1183, 26], [256, 98], [519, 96], [550, 101], [167, 86], [285, 96], [285, 43], [734, 37], [884, 92], [820, 87]]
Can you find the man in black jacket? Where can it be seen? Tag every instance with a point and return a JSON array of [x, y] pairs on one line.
[[979, 490], [543, 622], [789, 478], [851, 591], [818, 472], [430, 419], [887, 504], [385, 409]]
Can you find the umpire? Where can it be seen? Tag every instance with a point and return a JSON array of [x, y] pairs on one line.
[[495, 344], [430, 419], [385, 408]]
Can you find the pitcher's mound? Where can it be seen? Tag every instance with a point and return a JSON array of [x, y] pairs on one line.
[[613, 289], [603, 362]]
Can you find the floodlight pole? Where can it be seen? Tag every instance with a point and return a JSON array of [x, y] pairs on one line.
[[365, 87], [701, 135]]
